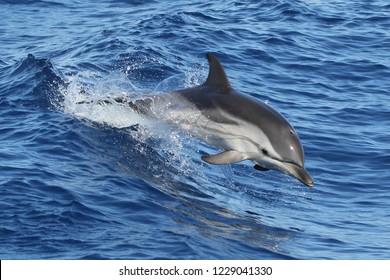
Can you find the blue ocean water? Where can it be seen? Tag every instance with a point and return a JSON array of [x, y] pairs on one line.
[[87, 182]]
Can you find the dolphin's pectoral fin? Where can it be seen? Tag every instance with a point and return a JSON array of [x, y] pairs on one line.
[[225, 157], [260, 168]]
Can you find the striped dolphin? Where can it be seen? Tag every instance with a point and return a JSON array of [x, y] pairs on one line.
[[243, 127]]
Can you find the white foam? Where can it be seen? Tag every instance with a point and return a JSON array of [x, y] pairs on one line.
[[82, 99], [84, 94]]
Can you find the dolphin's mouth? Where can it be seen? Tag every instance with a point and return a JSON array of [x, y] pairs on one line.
[[299, 173], [290, 168]]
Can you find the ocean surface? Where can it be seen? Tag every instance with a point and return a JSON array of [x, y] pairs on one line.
[[84, 180]]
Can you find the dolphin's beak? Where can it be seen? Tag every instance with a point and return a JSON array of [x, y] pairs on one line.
[[300, 173]]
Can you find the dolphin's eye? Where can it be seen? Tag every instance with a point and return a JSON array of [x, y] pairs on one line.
[[265, 152], [291, 132]]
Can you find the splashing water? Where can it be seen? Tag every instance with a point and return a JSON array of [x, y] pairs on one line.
[[84, 92]]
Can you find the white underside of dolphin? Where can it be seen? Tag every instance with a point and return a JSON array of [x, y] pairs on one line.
[[243, 127]]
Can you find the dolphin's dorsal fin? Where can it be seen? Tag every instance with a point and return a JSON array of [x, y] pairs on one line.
[[217, 76]]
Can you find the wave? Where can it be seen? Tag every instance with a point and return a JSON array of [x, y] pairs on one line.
[[163, 158]]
